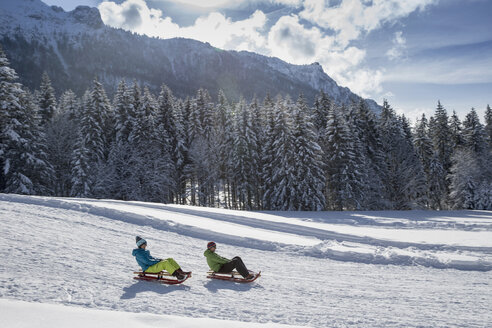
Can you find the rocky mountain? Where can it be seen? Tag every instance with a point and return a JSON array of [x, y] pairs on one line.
[[74, 47]]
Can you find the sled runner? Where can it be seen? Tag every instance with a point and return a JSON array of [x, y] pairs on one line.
[[161, 277], [232, 276]]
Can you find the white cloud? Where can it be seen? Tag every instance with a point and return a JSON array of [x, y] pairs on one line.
[[289, 40], [399, 47], [351, 18], [213, 4], [214, 28]]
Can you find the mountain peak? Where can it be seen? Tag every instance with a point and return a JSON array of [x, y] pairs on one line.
[[87, 15]]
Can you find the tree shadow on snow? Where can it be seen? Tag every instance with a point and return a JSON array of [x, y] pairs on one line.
[[148, 286], [214, 285]]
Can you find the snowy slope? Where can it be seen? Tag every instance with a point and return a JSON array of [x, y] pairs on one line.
[[327, 269]]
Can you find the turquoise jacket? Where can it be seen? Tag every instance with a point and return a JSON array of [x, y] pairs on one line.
[[144, 259], [215, 261]]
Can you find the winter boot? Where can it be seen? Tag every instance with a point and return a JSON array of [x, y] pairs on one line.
[[179, 276], [186, 273]]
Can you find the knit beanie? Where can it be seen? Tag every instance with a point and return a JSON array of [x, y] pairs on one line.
[[140, 241], [211, 244]]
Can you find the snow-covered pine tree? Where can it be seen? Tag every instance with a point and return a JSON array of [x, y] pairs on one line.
[[223, 141], [425, 151], [441, 136], [92, 149], [280, 185], [475, 140], [474, 136], [204, 172], [23, 165], [61, 136], [464, 177], [165, 115], [124, 113], [418, 187], [245, 157], [368, 146], [455, 127], [268, 153], [27, 170], [152, 166], [344, 184], [120, 178], [308, 161], [46, 100], [168, 135], [322, 106], [436, 184], [258, 121], [404, 172], [180, 154], [488, 126], [10, 92]]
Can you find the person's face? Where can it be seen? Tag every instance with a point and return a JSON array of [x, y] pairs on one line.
[[212, 249], [143, 246]]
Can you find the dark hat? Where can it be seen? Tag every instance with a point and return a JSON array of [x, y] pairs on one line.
[[211, 244]]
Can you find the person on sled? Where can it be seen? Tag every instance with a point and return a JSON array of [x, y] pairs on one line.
[[220, 264], [153, 265]]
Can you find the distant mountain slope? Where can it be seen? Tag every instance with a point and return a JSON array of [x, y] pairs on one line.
[[74, 47]]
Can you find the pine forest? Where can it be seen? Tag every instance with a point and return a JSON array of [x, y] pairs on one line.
[[265, 154]]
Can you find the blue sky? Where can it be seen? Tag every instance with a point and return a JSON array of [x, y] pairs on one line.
[[411, 52]]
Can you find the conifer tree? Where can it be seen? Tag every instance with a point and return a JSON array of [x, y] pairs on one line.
[[180, 154], [364, 127], [47, 100], [473, 133], [61, 136], [344, 185], [92, 150], [488, 126], [424, 150], [268, 153], [124, 113], [24, 166], [223, 141], [404, 173], [280, 185], [322, 106], [258, 120], [245, 158], [200, 132], [308, 161], [441, 136], [455, 127]]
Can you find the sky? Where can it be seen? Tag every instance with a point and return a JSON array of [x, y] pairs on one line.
[[410, 52]]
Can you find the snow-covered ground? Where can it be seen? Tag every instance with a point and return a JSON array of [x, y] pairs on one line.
[[319, 269]]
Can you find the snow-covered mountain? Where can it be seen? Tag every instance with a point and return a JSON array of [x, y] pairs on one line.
[[74, 47]]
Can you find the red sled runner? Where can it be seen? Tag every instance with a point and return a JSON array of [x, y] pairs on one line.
[[232, 276], [161, 277]]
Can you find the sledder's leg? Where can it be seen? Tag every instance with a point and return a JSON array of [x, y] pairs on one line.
[[168, 264], [235, 263]]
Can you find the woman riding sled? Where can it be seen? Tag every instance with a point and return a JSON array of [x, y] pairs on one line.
[[150, 264]]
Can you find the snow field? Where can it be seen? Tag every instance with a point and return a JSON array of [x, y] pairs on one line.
[[82, 257]]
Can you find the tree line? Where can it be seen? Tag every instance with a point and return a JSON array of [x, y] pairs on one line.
[[269, 154]]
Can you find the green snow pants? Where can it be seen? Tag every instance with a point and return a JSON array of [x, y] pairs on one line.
[[169, 265]]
